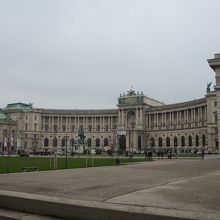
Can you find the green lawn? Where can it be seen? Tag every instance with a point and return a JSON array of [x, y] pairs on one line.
[[15, 164]]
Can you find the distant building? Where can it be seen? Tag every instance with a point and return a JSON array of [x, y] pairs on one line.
[[137, 124], [8, 130]]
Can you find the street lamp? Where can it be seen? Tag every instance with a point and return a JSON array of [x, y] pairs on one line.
[[66, 151], [8, 146]]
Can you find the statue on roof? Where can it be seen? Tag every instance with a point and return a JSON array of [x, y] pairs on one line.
[[131, 91], [208, 87]]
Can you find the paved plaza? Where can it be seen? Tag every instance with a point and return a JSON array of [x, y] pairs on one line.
[[185, 187]]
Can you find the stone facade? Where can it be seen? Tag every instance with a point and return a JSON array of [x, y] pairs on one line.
[[8, 129], [138, 123]]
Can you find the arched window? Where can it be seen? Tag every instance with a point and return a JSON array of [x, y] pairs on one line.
[[139, 142], [190, 141], [182, 141], [46, 142], [63, 142], [203, 140], [97, 142], [105, 142], [197, 140], [152, 142], [160, 142], [89, 142], [168, 142], [55, 142], [175, 141], [72, 142]]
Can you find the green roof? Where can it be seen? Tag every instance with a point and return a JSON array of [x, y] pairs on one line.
[[19, 105], [4, 117]]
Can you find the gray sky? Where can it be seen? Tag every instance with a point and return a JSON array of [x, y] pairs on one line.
[[83, 54]]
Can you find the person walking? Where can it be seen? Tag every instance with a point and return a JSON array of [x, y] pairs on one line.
[[203, 153]]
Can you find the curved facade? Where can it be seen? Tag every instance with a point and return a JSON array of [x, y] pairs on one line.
[[138, 123]]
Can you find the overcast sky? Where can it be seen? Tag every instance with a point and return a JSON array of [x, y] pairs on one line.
[[83, 54]]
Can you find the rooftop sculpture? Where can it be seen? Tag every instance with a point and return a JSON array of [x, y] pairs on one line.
[[208, 87]]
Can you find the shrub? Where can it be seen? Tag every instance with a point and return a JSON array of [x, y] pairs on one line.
[[86, 151], [109, 152], [121, 151], [98, 151]]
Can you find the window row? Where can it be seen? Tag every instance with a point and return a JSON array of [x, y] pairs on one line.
[[72, 142], [182, 141]]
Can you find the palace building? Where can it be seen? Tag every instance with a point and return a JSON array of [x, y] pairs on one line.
[[138, 123]]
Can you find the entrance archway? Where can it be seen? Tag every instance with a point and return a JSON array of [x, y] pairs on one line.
[[122, 143]]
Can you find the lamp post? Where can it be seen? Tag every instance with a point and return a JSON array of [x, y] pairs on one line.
[[8, 146], [66, 151]]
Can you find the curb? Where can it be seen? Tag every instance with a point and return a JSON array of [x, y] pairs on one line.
[[89, 210]]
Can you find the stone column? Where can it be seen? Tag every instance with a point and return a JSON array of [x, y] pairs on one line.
[[177, 119], [165, 118], [75, 124], [122, 117], [187, 116], [58, 124], [61, 123], [42, 123], [92, 125], [157, 121], [66, 125], [215, 65], [49, 125], [147, 125], [109, 123], [103, 124], [95, 125], [52, 124], [149, 121], [136, 114]]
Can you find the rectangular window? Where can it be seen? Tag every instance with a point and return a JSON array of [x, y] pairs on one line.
[[81, 120], [46, 119], [46, 127], [90, 127], [73, 128], [64, 127], [55, 128], [55, 119], [35, 127], [98, 128]]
